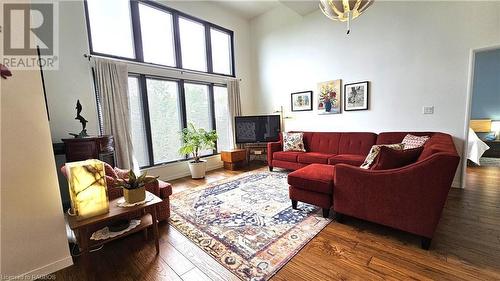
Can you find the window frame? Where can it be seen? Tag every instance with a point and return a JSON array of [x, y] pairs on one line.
[[137, 38], [182, 111]]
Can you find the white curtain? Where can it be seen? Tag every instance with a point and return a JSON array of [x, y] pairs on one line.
[[234, 106], [112, 88]]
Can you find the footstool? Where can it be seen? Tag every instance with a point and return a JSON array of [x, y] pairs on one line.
[[312, 184]]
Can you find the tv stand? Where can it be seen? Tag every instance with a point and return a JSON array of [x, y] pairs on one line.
[[256, 151]]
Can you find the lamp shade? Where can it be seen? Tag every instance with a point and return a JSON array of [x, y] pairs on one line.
[[495, 126], [87, 188], [344, 10]]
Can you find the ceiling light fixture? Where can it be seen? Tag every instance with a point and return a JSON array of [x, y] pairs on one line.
[[344, 10]]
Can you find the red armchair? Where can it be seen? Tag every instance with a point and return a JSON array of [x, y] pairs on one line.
[[159, 188]]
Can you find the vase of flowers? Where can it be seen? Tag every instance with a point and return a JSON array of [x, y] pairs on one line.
[[134, 187], [194, 142]]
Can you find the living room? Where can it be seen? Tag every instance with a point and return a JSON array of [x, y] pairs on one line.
[[250, 120]]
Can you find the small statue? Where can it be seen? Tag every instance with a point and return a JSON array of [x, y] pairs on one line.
[[82, 120]]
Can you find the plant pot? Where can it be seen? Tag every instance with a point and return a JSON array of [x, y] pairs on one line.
[[198, 169], [134, 195]]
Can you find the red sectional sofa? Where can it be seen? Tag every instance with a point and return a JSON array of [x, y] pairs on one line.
[[410, 198]]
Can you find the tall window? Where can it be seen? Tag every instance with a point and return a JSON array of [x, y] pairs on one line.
[[111, 37], [149, 32], [165, 119], [222, 117], [157, 35], [161, 108]]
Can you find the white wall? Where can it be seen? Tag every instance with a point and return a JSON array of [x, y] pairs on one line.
[[414, 54], [74, 80], [33, 234]]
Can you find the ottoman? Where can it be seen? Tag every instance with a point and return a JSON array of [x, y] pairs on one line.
[[312, 184]]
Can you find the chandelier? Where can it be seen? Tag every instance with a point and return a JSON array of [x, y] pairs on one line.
[[344, 10]]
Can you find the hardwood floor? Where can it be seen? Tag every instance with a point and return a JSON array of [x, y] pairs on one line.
[[466, 246]]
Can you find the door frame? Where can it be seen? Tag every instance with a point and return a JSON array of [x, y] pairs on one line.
[[468, 104]]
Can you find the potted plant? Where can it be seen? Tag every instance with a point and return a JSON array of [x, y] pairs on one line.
[[195, 141], [134, 187]]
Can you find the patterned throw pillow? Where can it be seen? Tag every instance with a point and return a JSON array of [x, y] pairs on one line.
[[293, 142], [411, 141], [375, 150]]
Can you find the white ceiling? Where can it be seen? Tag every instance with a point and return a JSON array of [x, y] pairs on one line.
[[252, 9]]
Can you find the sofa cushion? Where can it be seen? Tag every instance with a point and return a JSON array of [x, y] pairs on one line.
[[375, 150], [356, 143], [349, 159], [315, 177], [324, 142], [389, 158], [290, 156], [314, 157], [293, 142], [410, 141]]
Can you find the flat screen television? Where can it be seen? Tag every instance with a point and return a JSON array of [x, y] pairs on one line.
[[254, 129]]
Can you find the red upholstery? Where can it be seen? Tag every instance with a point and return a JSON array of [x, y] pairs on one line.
[[410, 198], [356, 143], [389, 158], [322, 142], [290, 156], [349, 159], [349, 148], [314, 157], [315, 177]]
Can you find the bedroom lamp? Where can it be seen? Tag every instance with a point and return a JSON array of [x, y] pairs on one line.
[[495, 127], [87, 188]]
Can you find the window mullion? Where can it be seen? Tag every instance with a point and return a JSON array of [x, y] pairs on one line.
[[211, 101], [136, 27], [147, 120], [177, 40], [208, 48], [182, 106]]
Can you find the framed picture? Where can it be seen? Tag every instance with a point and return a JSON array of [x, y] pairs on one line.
[[329, 97], [356, 96], [302, 101]]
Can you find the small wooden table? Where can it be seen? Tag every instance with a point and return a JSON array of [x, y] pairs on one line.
[[84, 228], [233, 159]]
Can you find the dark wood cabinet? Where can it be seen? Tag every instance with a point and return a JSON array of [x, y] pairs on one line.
[[494, 150], [102, 148]]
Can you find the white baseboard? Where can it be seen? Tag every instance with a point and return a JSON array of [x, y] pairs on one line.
[[44, 270], [186, 172]]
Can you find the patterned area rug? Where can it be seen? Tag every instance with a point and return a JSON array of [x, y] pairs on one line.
[[247, 223]]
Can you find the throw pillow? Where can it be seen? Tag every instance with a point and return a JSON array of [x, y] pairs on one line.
[[411, 141], [375, 150], [389, 158], [293, 142]]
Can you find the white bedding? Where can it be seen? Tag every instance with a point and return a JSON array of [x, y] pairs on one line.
[[476, 147]]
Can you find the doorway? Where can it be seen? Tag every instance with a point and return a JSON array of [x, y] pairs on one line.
[[482, 130]]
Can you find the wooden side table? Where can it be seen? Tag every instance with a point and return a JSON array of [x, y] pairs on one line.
[[84, 228], [233, 159], [256, 150]]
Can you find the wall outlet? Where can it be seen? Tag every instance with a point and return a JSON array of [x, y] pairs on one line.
[[428, 110]]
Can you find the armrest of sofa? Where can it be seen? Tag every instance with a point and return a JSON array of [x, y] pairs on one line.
[[409, 198], [272, 147], [153, 187]]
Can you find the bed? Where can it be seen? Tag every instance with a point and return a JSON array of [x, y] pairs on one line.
[[476, 147]]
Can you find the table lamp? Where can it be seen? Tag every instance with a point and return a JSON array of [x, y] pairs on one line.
[[495, 127], [87, 188]]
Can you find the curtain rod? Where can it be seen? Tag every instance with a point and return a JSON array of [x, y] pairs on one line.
[[162, 67]]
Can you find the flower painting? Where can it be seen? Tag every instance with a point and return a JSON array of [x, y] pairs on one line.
[[329, 97]]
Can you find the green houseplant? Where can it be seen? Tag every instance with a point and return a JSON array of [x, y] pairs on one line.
[[134, 187], [194, 142]]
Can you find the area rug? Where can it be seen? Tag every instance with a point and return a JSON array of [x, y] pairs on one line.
[[246, 223]]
